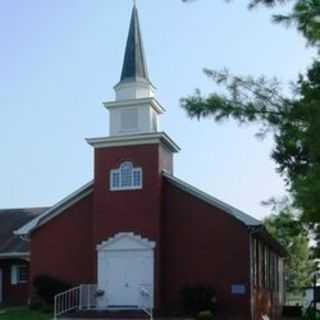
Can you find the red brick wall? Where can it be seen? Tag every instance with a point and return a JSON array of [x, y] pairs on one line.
[[203, 245], [137, 211], [63, 248], [195, 243], [13, 294]]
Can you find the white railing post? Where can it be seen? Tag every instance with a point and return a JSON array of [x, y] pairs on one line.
[[148, 309], [88, 296], [67, 301], [80, 297]]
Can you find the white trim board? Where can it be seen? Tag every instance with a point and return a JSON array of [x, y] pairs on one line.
[[14, 255]]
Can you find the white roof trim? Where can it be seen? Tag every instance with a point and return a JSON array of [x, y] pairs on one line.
[[137, 139], [236, 213], [14, 255], [55, 210]]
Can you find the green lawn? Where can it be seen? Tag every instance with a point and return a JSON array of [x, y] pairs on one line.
[[22, 314]]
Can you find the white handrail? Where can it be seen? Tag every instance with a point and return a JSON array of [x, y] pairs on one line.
[[67, 301], [145, 293], [82, 297]]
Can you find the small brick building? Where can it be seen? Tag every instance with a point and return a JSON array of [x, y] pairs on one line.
[[15, 255], [137, 225]]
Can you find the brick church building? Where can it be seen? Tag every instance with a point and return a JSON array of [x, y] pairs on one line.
[[136, 235]]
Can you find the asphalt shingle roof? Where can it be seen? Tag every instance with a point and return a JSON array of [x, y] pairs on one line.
[[11, 220]]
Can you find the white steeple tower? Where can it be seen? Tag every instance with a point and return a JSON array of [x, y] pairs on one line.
[[135, 110]]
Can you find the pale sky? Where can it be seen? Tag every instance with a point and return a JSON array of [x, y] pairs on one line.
[[59, 60]]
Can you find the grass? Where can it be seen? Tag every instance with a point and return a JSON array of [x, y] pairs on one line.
[[22, 314]]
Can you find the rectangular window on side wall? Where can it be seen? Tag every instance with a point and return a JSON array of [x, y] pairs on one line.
[[19, 274], [266, 267], [258, 273], [276, 275], [261, 265], [272, 271], [254, 262]]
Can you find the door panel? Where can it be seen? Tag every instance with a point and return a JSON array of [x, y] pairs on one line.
[[124, 273]]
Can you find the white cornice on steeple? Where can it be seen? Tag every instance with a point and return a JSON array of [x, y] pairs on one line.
[[155, 104], [135, 140]]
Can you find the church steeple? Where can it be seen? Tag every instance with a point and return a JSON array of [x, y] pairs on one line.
[[134, 81], [135, 110], [134, 65]]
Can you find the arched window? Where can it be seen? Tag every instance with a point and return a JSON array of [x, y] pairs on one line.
[[126, 177]]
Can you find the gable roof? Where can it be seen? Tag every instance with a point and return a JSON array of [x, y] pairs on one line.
[[236, 213], [255, 226], [57, 209], [12, 245]]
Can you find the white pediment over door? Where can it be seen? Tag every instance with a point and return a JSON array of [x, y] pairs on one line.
[[126, 241]]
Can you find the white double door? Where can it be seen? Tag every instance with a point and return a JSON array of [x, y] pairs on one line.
[[122, 274]]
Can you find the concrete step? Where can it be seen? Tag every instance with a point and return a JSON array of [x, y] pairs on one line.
[[110, 315]]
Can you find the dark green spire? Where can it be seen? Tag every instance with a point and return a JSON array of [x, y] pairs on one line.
[[134, 65]]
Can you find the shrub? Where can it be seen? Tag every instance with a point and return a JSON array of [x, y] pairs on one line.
[[47, 309], [35, 305], [205, 315], [47, 287], [311, 315], [198, 298]]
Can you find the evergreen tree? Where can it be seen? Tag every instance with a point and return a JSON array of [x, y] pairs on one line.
[[294, 121]]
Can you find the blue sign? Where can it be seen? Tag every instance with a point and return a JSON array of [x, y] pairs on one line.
[[238, 289]]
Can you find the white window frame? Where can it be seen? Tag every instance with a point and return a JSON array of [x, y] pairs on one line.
[[118, 171], [15, 274]]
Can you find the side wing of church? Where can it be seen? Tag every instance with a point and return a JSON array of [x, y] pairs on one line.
[[139, 235]]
